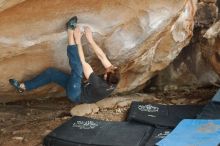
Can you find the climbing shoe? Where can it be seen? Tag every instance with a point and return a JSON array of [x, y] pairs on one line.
[[71, 24], [16, 84]]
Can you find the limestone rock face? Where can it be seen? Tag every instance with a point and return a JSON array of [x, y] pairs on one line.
[[198, 65], [141, 37], [213, 41], [5, 4]]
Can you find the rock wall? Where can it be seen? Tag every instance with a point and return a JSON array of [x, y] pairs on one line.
[[141, 37], [198, 65], [5, 4]]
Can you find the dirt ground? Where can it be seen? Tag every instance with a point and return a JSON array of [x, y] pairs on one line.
[[26, 123]]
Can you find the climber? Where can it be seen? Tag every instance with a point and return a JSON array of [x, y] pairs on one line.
[[97, 86]]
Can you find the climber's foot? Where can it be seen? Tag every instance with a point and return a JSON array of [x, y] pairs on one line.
[[16, 85], [71, 24]]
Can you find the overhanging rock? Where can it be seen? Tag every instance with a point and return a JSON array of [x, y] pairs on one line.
[[142, 37]]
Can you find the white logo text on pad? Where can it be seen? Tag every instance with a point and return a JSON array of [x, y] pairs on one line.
[[148, 108], [85, 124]]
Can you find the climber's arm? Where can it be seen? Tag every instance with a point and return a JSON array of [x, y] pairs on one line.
[[98, 51], [87, 69]]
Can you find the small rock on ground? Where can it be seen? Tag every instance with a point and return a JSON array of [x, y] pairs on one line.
[[84, 109]]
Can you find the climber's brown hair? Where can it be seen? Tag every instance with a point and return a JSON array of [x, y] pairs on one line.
[[113, 75]]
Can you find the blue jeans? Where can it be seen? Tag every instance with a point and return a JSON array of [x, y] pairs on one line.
[[71, 82]]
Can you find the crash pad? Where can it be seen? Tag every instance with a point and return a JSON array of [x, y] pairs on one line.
[[216, 98], [82, 131], [162, 115], [158, 134], [210, 111], [194, 132]]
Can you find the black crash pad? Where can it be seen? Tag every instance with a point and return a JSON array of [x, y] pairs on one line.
[[210, 111], [162, 115], [158, 134], [82, 131], [216, 98]]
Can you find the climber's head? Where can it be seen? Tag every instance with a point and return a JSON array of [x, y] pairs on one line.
[[112, 75]]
